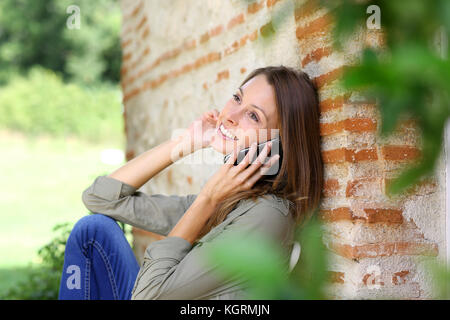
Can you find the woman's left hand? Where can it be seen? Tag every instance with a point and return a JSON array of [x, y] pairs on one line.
[[230, 179]]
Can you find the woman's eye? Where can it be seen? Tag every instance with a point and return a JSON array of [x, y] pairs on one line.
[[253, 116]]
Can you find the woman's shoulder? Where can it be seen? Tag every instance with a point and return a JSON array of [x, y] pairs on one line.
[[278, 202], [274, 201]]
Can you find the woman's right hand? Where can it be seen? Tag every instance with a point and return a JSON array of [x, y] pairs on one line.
[[202, 129], [197, 136]]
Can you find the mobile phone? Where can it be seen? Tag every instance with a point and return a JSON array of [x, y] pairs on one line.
[[275, 149]]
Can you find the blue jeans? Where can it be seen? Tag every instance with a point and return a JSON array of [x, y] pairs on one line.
[[99, 264]]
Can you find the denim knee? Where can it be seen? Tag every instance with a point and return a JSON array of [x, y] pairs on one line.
[[92, 225]]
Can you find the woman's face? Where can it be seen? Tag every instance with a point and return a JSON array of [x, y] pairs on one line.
[[249, 116]]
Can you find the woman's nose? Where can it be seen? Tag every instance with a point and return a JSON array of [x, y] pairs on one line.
[[232, 117]]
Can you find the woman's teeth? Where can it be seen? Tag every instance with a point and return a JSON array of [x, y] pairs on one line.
[[226, 133]]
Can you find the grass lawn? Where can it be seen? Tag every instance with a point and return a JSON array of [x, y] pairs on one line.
[[42, 182]]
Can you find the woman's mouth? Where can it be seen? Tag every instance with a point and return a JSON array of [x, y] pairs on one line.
[[226, 135]]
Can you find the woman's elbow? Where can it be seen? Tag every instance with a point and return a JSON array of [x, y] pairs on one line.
[[90, 202]]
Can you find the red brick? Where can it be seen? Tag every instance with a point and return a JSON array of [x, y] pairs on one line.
[[223, 75], [330, 187], [328, 77], [141, 23], [131, 94], [145, 33], [350, 125], [360, 124], [316, 55], [349, 155], [305, 10], [271, 3], [137, 9], [216, 31], [400, 277], [361, 155], [371, 276], [204, 37], [337, 214], [126, 43], [322, 25], [331, 103], [327, 128], [255, 7], [239, 19], [188, 45], [126, 57], [373, 250], [146, 51], [392, 152], [333, 156], [384, 215], [374, 184]]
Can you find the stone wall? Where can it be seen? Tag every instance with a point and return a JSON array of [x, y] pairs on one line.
[[183, 57]]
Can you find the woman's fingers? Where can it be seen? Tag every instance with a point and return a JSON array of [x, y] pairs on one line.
[[259, 173], [245, 162], [231, 159], [245, 174]]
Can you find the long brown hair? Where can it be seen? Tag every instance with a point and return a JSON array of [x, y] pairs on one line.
[[300, 177]]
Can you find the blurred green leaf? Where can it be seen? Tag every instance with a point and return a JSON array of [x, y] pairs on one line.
[[252, 257], [258, 260], [311, 272]]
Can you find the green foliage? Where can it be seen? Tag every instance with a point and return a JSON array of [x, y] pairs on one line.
[[42, 104], [35, 32], [440, 279], [258, 261], [311, 272], [410, 78], [42, 281]]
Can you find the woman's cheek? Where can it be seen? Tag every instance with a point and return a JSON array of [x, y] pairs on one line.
[[248, 137]]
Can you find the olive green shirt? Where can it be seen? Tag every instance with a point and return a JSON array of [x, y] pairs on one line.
[[173, 268]]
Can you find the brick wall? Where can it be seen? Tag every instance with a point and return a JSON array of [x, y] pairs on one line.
[[183, 57]]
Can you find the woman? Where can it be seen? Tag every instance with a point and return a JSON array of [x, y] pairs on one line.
[[99, 263]]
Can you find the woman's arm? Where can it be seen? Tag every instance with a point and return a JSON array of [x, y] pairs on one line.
[[139, 170], [173, 270], [157, 213], [192, 222]]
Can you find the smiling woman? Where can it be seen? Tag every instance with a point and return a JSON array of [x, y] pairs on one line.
[[271, 100], [276, 99]]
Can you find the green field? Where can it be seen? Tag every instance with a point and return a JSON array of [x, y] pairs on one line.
[[42, 182]]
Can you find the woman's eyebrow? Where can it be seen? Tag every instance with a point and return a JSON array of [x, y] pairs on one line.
[[242, 93]]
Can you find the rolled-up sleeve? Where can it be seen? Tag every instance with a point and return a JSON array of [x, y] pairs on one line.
[[156, 213], [172, 269]]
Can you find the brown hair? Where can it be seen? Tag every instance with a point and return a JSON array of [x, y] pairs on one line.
[[300, 177]]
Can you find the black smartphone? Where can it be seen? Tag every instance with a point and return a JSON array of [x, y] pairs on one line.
[[275, 149]]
